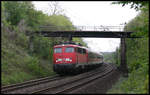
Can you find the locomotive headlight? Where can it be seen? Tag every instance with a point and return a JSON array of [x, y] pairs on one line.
[[58, 60], [68, 59]]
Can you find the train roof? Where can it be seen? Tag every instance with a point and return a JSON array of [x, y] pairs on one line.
[[72, 44], [69, 45], [96, 53]]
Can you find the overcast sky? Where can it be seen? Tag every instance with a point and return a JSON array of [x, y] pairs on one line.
[[94, 14]]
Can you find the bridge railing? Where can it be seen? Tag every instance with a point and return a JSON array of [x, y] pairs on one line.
[[100, 28], [82, 28]]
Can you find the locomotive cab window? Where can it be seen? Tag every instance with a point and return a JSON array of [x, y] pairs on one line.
[[79, 50], [84, 51], [58, 50], [69, 49]]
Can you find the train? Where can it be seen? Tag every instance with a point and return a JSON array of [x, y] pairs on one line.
[[70, 57]]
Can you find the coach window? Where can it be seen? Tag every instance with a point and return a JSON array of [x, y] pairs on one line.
[[69, 49], [58, 50]]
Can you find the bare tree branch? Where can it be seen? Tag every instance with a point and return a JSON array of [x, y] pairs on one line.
[[55, 8]]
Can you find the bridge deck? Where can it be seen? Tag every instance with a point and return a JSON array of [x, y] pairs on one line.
[[100, 34]]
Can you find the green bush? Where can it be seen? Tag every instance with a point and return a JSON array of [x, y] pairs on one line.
[[136, 83], [33, 65]]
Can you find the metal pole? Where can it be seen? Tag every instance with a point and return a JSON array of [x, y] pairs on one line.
[[70, 37]]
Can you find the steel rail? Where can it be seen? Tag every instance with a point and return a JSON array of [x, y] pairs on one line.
[[28, 83]]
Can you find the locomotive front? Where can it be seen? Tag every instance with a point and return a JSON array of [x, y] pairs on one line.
[[64, 58]]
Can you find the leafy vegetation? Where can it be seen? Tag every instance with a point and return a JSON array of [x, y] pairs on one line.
[[110, 57], [137, 53], [19, 63], [137, 5]]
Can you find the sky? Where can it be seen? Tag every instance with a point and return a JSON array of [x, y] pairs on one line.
[[88, 13]]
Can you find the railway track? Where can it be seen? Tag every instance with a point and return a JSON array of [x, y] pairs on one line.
[[13, 87], [83, 82], [76, 83], [57, 84]]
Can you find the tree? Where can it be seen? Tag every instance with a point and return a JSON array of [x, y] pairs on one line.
[[55, 8], [137, 5], [16, 11]]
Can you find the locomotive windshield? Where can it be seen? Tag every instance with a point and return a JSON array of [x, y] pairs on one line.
[[69, 49], [58, 50]]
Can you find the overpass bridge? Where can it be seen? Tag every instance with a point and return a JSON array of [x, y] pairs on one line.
[[90, 32]]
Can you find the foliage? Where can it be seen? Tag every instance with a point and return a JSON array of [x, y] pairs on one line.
[[134, 4], [79, 40], [19, 10], [15, 11], [109, 57], [58, 22], [137, 53], [136, 83], [139, 24], [42, 46]]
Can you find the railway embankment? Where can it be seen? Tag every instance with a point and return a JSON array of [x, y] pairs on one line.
[[17, 65]]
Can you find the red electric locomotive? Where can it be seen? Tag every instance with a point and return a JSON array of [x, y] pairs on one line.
[[71, 57]]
